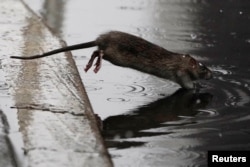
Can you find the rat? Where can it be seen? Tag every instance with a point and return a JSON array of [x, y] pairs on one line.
[[128, 50]]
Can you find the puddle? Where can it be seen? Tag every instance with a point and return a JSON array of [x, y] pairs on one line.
[[145, 119]]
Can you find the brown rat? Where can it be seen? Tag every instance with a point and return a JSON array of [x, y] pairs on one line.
[[127, 50]]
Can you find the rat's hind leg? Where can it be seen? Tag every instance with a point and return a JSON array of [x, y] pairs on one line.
[[98, 63], [91, 60], [99, 55]]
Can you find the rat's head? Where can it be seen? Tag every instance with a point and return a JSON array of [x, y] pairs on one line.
[[196, 70]]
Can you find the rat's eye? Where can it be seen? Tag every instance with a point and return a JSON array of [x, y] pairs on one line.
[[202, 67], [185, 55]]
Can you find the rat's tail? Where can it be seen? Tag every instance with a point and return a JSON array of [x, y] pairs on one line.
[[67, 48]]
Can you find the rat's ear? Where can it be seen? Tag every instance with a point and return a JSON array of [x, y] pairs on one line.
[[192, 62]]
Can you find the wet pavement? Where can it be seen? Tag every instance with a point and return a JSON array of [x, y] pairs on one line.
[[147, 122], [45, 115]]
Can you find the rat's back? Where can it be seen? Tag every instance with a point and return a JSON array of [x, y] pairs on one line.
[[130, 45], [127, 50]]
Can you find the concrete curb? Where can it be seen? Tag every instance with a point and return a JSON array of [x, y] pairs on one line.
[[49, 119]]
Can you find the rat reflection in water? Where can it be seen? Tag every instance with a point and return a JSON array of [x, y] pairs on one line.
[[181, 103]]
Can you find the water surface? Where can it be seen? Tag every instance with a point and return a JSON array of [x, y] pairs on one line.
[[148, 121]]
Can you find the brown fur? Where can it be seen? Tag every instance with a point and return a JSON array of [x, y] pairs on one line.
[[127, 50]]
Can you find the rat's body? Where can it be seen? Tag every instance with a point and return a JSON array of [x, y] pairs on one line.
[[127, 50]]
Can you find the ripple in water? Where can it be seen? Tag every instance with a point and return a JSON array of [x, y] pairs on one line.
[[117, 100], [131, 88], [148, 87], [136, 90], [234, 89], [222, 70], [207, 113]]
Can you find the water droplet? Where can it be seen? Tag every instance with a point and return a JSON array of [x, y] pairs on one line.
[[117, 137], [220, 134], [198, 101], [233, 33], [129, 134], [248, 40], [240, 12], [193, 36], [117, 100], [221, 11], [210, 45]]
